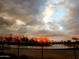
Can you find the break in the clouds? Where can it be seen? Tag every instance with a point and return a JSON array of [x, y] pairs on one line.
[[39, 16]]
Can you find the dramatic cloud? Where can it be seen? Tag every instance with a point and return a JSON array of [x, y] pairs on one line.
[[57, 17]]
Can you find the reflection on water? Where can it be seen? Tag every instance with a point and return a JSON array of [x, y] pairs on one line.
[[59, 46], [55, 46]]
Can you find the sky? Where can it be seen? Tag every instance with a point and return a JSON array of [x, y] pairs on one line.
[[39, 17]]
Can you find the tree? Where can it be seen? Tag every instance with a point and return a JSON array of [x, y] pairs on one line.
[[9, 37], [75, 39]]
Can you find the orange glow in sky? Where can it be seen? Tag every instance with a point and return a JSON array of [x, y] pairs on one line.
[[41, 39]]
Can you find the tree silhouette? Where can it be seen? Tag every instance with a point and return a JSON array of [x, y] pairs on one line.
[[75, 39], [9, 37]]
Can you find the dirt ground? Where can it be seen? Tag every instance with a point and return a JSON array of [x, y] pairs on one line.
[[47, 53]]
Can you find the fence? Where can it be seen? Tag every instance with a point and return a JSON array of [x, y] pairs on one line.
[[74, 49]]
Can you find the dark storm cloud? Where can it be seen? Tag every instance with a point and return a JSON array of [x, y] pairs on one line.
[[21, 7], [25, 10]]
